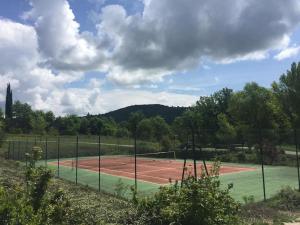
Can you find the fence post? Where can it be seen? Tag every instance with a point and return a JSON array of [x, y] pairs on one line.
[[262, 163], [297, 155], [76, 160], [26, 146], [46, 151], [58, 154], [8, 152], [194, 155], [135, 167], [13, 150], [19, 146], [99, 163]]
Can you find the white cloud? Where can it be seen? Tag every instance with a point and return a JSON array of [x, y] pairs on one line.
[[288, 53], [93, 100], [59, 39], [45, 59]]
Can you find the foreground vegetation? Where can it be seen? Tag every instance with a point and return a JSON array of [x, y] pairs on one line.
[[32, 196]]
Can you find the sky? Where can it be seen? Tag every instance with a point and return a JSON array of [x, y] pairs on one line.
[[94, 56]]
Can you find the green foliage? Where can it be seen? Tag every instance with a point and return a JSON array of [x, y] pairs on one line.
[[166, 144], [22, 114], [287, 90], [133, 122], [33, 205], [226, 132], [200, 201], [38, 122], [145, 129], [286, 199]]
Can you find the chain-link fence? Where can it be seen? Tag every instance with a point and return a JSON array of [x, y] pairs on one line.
[[255, 163]]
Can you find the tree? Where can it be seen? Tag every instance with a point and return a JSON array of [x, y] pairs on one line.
[[209, 107], [84, 126], [8, 102], [226, 132], [22, 115], [145, 129], [49, 118], [287, 91], [38, 122], [134, 120], [160, 128], [254, 112]]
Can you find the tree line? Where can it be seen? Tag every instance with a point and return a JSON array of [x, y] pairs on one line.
[[223, 117]]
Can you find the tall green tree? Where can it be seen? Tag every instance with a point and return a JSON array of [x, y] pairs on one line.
[[22, 115], [134, 120], [287, 90], [8, 102], [255, 111]]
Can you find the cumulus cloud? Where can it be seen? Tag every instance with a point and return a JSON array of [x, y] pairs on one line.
[[60, 41], [166, 37], [288, 53], [175, 35]]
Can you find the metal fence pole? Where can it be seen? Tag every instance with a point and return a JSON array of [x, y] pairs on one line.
[[46, 151], [8, 152], [19, 146], [26, 146], [262, 163], [76, 162], [13, 150], [99, 163], [135, 167], [194, 155], [58, 154], [297, 155]]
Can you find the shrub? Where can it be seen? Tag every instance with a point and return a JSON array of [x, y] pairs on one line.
[[33, 204], [199, 201], [286, 199]]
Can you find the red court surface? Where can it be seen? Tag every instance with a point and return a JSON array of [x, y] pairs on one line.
[[159, 171]]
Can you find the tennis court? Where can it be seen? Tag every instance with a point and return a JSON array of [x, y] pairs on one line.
[[159, 171]]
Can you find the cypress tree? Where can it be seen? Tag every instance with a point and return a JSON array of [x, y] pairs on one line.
[[8, 103]]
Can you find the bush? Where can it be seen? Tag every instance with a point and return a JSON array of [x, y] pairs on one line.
[[199, 201], [286, 199], [33, 204]]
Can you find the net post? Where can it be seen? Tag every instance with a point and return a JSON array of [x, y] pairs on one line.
[[99, 163], [46, 150], [297, 155], [76, 160], [58, 154], [262, 163]]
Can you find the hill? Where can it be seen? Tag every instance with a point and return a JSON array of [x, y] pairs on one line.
[[166, 112]]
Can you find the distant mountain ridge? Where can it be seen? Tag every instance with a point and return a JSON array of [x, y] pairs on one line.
[[169, 113]]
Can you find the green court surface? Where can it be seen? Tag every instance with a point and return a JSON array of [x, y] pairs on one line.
[[248, 183]]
